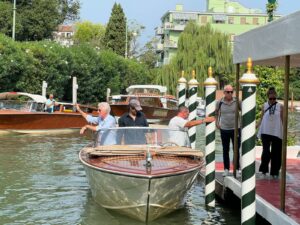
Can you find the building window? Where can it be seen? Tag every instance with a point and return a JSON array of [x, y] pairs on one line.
[[243, 20], [255, 21], [203, 19], [231, 20]]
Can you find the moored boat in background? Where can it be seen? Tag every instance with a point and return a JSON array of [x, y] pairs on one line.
[[144, 181], [158, 107], [25, 113]]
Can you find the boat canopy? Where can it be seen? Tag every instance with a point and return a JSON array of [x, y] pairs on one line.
[[13, 95], [151, 89], [269, 44]]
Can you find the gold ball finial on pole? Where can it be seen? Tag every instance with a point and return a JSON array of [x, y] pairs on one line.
[[249, 65], [210, 72], [193, 74]]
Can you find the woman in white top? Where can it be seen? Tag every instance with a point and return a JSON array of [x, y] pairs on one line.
[[270, 132]]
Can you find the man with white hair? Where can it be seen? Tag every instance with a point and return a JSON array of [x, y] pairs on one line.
[[101, 123]]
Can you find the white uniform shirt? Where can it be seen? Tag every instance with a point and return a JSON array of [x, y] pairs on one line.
[[178, 133]]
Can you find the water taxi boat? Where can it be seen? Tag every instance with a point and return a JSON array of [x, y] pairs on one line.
[[144, 174], [158, 107], [25, 113]]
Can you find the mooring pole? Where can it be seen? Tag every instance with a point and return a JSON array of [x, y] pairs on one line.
[[44, 88], [236, 120], [210, 137], [193, 89], [248, 82], [181, 90]]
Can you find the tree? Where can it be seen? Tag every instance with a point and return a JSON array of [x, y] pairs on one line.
[[114, 38], [87, 32], [36, 20], [198, 48], [149, 57], [271, 6]]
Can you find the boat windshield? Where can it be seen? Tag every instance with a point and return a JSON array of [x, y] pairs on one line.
[[27, 106], [142, 136]]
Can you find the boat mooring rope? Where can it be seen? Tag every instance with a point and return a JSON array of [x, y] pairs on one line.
[[248, 82], [210, 135], [193, 89]]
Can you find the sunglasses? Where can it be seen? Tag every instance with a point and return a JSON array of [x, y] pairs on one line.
[[133, 108], [272, 99], [229, 92]]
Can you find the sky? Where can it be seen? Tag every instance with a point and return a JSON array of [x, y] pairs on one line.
[[149, 12]]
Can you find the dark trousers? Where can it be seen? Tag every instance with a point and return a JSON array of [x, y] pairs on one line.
[[226, 136], [274, 155]]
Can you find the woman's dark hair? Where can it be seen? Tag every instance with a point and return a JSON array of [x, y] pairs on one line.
[[271, 90]]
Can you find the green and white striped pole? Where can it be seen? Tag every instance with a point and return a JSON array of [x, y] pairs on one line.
[[181, 90], [248, 82], [193, 89], [210, 137]]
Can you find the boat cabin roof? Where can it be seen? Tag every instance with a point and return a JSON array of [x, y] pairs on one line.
[[133, 89], [14, 95]]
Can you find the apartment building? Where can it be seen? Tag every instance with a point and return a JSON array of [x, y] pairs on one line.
[[226, 16]]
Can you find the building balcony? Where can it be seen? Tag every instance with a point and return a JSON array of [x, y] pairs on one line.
[[170, 44], [158, 64], [166, 61], [159, 31], [159, 47], [171, 26], [168, 26]]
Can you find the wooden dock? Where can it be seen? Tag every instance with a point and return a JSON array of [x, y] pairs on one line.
[[267, 192]]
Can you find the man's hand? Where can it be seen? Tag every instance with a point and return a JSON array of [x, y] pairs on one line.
[[83, 130], [77, 107]]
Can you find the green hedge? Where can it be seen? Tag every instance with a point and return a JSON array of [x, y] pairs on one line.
[[24, 65]]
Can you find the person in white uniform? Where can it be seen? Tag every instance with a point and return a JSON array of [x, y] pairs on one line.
[[179, 126], [270, 132]]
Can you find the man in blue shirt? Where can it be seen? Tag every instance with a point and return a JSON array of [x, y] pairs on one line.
[[101, 124], [50, 103]]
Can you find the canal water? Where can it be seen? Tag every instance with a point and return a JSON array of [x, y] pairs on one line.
[[43, 182]]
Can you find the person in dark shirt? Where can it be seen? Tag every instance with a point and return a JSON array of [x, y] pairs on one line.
[[133, 118]]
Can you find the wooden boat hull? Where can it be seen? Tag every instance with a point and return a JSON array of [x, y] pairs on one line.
[[32, 122], [144, 197], [153, 114]]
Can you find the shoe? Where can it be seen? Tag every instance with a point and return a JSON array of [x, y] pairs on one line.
[[226, 173], [275, 177], [238, 173], [262, 175]]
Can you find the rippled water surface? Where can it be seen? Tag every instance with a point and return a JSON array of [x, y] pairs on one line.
[[43, 182]]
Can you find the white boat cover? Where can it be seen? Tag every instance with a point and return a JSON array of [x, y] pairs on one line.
[[269, 44], [12, 95], [162, 89]]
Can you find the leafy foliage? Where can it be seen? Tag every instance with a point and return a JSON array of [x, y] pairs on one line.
[[87, 32], [36, 20], [114, 38], [198, 48], [24, 65]]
